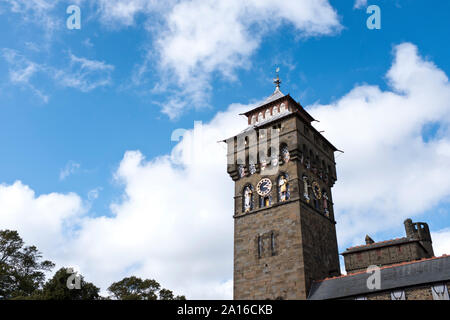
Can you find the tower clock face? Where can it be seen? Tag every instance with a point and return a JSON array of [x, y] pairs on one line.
[[264, 186], [316, 190]]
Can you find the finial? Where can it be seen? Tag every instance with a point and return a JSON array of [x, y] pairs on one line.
[[277, 81]]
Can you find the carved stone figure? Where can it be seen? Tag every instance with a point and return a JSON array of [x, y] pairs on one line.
[[263, 164], [283, 188], [247, 199], [251, 168], [325, 204], [285, 154], [274, 161], [241, 171], [305, 187]]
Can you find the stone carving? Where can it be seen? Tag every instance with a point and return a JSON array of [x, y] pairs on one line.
[[285, 154], [283, 192], [305, 188], [325, 204], [241, 171], [248, 196], [251, 168]]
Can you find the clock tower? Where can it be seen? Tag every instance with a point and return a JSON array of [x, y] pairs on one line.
[[284, 226]]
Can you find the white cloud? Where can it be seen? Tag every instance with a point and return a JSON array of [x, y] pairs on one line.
[[21, 70], [82, 74], [192, 41], [45, 220], [70, 168], [174, 222], [360, 4], [441, 242], [201, 38], [94, 194], [37, 12], [117, 13], [389, 171], [195, 40]]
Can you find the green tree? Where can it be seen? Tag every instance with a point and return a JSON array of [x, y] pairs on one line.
[[56, 288], [134, 288], [22, 272]]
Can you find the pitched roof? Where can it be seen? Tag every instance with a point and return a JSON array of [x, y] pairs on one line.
[[379, 244], [432, 270], [276, 95]]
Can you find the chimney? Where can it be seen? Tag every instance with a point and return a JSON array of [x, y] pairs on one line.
[[369, 240], [409, 228]]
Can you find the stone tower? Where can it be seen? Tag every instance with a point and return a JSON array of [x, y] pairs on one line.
[[284, 226]]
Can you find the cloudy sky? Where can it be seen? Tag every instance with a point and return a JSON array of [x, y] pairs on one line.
[[93, 168]]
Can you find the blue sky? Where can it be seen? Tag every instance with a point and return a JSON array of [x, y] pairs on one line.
[[74, 102]]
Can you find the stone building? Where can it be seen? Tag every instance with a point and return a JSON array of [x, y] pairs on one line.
[[285, 244]]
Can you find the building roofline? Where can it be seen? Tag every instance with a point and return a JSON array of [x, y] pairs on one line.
[[394, 277], [385, 267], [379, 244]]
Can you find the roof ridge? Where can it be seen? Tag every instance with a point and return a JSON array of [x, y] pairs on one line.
[[385, 267], [378, 242]]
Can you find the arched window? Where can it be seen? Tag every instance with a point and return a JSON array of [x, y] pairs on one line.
[[260, 117], [247, 198], [267, 115], [283, 188], [253, 121], [275, 110], [283, 108], [285, 155], [265, 201]]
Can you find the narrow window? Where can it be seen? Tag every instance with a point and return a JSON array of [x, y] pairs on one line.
[[259, 247], [265, 201], [398, 295], [272, 243], [440, 292]]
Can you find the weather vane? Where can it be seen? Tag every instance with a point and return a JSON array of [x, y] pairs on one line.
[[277, 81]]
